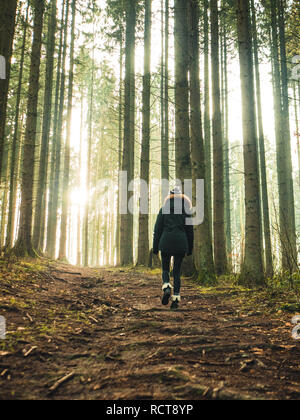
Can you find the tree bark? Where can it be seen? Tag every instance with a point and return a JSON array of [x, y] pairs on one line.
[[4, 200], [182, 123], [120, 122], [252, 268], [16, 148], [24, 246], [283, 156], [290, 255], [40, 207], [166, 91], [79, 253], [7, 31], [182, 135], [203, 254], [262, 160], [227, 203], [56, 141], [298, 132], [207, 119], [89, 160], [164, 147], [126, 238], [218, 163], [66, 174], [297, 126], [143, 240]]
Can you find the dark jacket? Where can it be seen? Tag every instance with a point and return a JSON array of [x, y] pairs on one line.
[[171, 234]]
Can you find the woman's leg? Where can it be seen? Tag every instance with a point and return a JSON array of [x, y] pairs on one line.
[[166, 260], [177, 273]]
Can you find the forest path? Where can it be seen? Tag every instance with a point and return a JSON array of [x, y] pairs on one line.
[[103, 334]]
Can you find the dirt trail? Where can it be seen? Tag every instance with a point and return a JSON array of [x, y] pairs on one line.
[[103, 334]]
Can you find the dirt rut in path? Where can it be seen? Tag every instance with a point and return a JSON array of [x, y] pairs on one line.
[[103, 334]]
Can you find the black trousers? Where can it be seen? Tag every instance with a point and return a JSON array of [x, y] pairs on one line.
[[166, 262]]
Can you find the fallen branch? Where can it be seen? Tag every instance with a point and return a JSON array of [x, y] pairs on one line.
[[45, 274], [93, 319], [237, 347], [68, 272], [215, 393], [59, 279], [29, 317], [27, 353], [4, 373], [61, 381]]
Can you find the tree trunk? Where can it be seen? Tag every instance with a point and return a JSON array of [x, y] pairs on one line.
[[118, 227], [4, 200], [298, 133], [79, 253], [164, 141], [89, 161], [166, 93], [252, 268], [207, 121], [218, 163], [182, 123], [16, 148], [227, 206], [297, 126], [7, 31], [203, 254], [24, 246], [40, 207], [56, 142], [143, 240], [262, 160], [182, 135], [162, 91], [286, 199], [126, 239], [290, 257], [50, 229], [66, 174]]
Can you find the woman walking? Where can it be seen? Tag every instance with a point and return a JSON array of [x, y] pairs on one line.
[[174, 238]]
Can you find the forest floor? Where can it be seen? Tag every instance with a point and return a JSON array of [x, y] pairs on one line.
[[76, 333]]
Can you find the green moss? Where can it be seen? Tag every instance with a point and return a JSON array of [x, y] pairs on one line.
[[291, 307]]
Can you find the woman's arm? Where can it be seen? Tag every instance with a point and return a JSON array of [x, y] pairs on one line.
[[158, 230]]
